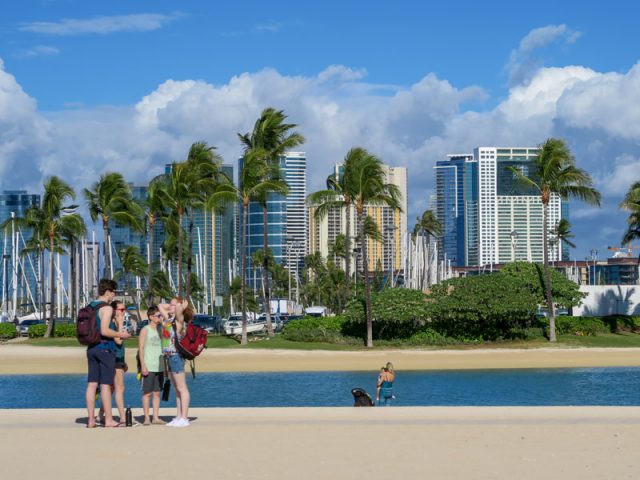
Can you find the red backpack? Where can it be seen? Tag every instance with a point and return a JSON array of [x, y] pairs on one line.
[[87, 330], [193, 342]]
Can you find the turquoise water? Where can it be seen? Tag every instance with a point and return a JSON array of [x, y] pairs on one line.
[[531, 387]]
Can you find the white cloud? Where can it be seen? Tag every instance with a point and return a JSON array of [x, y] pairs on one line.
[[522, 64], [37, 51], [336, 109], [141, 22]]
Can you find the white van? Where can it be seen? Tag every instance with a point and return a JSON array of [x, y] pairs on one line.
[[316, 311]]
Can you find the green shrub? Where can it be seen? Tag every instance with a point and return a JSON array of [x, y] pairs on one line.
[[316, 329], [429, 336], [66, 330], [7, 331], [583, 326], [37, 331]]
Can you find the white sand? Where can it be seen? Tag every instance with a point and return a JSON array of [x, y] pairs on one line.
[[331, 443], [21, 359]]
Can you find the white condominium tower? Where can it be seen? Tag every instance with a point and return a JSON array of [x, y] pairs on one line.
[[489, 217]]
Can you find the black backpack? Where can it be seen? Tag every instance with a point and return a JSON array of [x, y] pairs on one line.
[[87, 330]]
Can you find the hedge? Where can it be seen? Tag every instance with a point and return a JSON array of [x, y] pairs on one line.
[[64, 330], [7, 331], [317, 329]]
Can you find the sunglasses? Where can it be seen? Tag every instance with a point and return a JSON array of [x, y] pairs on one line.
[[120, 309]]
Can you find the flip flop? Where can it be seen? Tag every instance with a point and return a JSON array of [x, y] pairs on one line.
[[91, 426], [115, 426]]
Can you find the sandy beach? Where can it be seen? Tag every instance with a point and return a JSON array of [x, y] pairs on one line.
[[25, 359], [331, 443]]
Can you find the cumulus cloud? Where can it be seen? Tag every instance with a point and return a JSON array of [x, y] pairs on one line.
[[140, 22], [337, 109], [522, 63]]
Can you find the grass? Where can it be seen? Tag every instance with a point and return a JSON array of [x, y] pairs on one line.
[[609, 340]]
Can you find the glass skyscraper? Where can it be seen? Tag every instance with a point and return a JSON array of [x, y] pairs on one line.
[[287, 219], [489, 217]]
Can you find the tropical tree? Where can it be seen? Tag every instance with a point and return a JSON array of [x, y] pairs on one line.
[[631, 203], [268, 142], [133, 264], [368, 187], [33, 220], [154, 209], [109, 199], [427, 225], [204, 168], [554, 174], [59, 221], [253, 180], [176, 195], [339, 195]]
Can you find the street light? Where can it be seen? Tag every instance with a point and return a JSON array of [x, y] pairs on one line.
[[594, 257]]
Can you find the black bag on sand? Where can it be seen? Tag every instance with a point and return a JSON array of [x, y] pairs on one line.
[[361, 398]]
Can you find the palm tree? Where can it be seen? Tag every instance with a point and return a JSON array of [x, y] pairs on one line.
[[562, 233], [427, 225], [368, 187], [37, 243], [154, 210], [270, 139], [109, 199], [204, 167], [176, 194], [60, 222], [253, 182], [554, 174], [133, 263], [631, 203], [338, 195]]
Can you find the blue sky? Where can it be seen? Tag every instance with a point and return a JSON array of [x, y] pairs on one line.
[[91, 86]]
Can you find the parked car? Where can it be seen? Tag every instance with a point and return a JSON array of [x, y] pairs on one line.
[[23, 327], [64, 321], [211, 323]]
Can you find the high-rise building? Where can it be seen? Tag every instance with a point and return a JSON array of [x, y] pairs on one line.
[[489, 217], [391, 223], [19, 271], [287, 219]]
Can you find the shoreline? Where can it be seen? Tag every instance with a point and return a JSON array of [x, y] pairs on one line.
[[321, 443], [16, 359]]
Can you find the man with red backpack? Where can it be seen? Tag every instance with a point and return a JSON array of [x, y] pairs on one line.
[[101, 356]]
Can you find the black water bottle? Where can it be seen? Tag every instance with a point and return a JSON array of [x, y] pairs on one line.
[[128, 417]]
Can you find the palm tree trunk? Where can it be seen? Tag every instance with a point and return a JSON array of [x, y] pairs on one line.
[[243, 268], [180, 240], [265, 272], [365, 273], [107, 245], [52, 303], [547, 275], [189, 255]]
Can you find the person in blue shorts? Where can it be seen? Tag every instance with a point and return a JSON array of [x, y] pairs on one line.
[[101, 358]]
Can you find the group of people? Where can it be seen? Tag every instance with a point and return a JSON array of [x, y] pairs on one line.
[[157, 355]]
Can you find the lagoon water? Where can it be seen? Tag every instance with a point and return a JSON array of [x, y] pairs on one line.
[[530, 387]]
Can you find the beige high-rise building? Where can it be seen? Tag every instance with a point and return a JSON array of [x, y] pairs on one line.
[[392, 224]]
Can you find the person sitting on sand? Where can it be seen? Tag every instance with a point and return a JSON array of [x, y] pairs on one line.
[[384, 387], [151, 365]]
